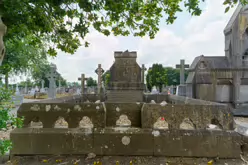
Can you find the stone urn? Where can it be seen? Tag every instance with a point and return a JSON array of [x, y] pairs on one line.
[[3, 30]]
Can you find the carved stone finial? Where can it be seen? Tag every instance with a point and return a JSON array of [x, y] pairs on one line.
[[3, 29]]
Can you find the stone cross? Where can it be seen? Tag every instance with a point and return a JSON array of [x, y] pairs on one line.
[[42, 86], [143, 69], [182, 67], [51, 76], [82, 79], [99, 71], [3, 30], [26, 88]]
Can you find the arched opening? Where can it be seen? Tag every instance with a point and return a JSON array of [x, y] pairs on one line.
[[161, 123], [187, 124], [86, 123], [123, 121], [214, 125], [35, 123], [61, 123]]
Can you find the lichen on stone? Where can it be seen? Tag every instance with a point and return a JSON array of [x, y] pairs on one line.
[[77, 108], [57, 108], [123, 121], [125, 140], [48, 108], [35, 107]]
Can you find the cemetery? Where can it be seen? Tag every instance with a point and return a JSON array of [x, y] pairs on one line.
[[200, 121]]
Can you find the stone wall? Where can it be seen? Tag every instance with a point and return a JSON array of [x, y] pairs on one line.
[[141, 139], [199, 115]]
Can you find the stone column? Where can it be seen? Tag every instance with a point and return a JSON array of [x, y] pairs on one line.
[[3, 30], [143, 69], [236, 87]]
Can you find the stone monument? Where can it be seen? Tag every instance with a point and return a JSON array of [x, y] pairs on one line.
[[99, 71], [42, 90], [51, 76], [82, 79], [224, 78], [181, 89], [125, 79]]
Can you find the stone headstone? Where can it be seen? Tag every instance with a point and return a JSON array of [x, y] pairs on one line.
[[42, 90], [99, 71], [154, 90], [17, 91], [125, 79], [51, 76]]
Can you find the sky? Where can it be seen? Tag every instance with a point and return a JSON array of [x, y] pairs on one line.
[[187, 38]]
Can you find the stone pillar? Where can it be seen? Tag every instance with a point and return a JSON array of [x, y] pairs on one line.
[[236, 87], [3, 30], [99, 71], [143, 69]]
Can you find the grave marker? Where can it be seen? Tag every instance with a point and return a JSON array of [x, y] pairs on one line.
[[182, 67], [51, 76], [99, 71]]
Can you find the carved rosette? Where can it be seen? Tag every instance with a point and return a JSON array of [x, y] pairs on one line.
[[3, 29]]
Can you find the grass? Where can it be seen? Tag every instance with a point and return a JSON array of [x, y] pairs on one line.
[[46, 96]]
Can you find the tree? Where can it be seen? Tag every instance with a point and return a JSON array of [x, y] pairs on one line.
[[62, 23], [106, 78], [22, 56], [156, 77], [39, 72], [91, 82]]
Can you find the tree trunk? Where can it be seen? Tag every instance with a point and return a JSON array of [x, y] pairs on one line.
[[3, 29], [6, 80]]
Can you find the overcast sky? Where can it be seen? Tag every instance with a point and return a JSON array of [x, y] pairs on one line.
[[187, 38]]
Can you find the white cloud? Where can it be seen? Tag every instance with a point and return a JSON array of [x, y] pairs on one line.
[[203, 35]]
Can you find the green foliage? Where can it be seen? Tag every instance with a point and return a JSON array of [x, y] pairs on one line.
[[91, 82], [106, 78], [5, 106], [159, 76], [156, 77], [63, 23]]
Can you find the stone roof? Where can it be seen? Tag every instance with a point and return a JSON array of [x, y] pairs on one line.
[[213, 62], [233, 18]]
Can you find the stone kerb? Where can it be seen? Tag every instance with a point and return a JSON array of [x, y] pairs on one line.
[[199, 115], [48, 113], [174, 99], [66, 99], [131, 110]]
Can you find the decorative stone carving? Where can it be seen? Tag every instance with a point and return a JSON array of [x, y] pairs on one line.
[[3, 30]]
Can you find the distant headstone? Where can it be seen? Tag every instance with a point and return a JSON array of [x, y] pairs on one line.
[[26, 89], [42, 90], [17, 92], [99, 71], [154, 90], [181, 89]]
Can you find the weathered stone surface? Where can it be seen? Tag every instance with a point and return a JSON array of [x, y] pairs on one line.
[[123, 141], [200, 115], [115, 110], [48, 113], [191, 143], [27, 141]]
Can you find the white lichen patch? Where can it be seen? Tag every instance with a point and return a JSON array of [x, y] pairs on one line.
[[88, 105], [121, 129], [77, 108], [97, 107], [57, 108], [117, 109], [138, 103], [61, 123], [123, 121], [187, 124], [163, 103], [35, 107], [98, 101], [68, 110], [155, 133], [105, 146], [86, 123], [48, 108], [160, 124], [153, 102], [125, 140]]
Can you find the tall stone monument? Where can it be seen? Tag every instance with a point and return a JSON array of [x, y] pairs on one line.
[[224, 78], [51, 76], [181, 89], [99, 71], [125, 79]]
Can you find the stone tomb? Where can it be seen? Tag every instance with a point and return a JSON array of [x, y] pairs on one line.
[[141, 138], [125, 79]]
